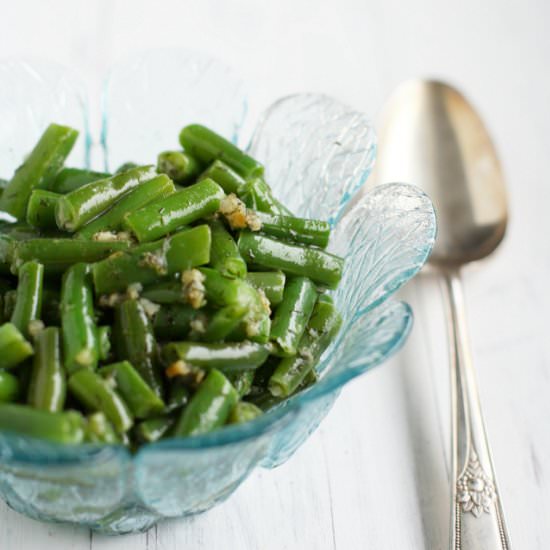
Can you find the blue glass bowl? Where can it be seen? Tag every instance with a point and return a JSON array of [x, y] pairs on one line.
[[317, 153]]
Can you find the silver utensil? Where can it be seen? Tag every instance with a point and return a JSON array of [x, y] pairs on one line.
[[431, 136]]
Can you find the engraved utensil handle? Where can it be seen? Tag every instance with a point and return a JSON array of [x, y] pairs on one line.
[[477, 517]]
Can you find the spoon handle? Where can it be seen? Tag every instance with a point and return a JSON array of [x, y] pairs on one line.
[[477, 515]]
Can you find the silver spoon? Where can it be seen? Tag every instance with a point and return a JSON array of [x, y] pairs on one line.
[[431, 136]]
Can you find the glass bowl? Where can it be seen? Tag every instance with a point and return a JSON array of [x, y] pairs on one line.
[[318, 153]]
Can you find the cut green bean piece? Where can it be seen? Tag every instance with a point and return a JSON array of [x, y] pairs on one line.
[[226, 357], [292, 315], [140, 398], [169, 214], [209, 407], [100, 430], [79, 330], [178, 166], [223, 322], [222, 291], [28, 304], [244, 412], [154, 429], [57, 255], [96, 394], [146, 263], [207, 146], [69, 179], [166, 292], [143, 194], [299, 230], [323, 326], [59, 427], [9, 387], [48, 386], [257, 195], [224, 176], [242, 381], [224, 254], [10, 297], [41, 209], [125, 167], [135, 342], [271, 283], [82, 205], [173, 321], [178, 396], [104, 342], [320, 266], [39, 168]]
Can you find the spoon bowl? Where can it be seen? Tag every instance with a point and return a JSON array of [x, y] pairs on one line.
[[432, 137]]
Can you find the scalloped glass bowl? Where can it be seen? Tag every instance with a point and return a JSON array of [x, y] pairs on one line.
[[317, 154]]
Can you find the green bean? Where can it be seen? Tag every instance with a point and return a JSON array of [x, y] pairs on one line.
[[223, 322], [41, 209], [271, 283], [320, 266], [59, 427], [207, 146], [57, 255], [226, 357], [143, 194], [39, 168], [257, 195], [323, 326], [178, 396], [154, 429], [124, 167], [244, 412], [28, 305], [299, 230], [166, 293], [140, 398], [78, 327], [221, 291], [100, 430], [166, 215], [146, 263], [224, 254], [292, 315], [10, 297], [224, 176], [135, 341], [178, 165], [209, 407], [48, 386], [264, 400], [173, 321], [96, 394], [82, 205], [69, 179], [9, 387], [241, 381], [104, 342]]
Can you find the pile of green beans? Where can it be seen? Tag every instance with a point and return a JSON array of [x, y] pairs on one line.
[[156, 301]]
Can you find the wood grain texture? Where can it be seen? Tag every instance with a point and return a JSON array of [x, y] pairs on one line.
[[375, 475]]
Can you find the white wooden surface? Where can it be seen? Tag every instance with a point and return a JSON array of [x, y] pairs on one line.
[[375, 474]]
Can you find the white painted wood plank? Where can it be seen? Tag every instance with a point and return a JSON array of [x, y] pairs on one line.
[[18, 532]]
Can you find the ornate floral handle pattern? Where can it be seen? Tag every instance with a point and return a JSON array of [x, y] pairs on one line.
[[477, 514]]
